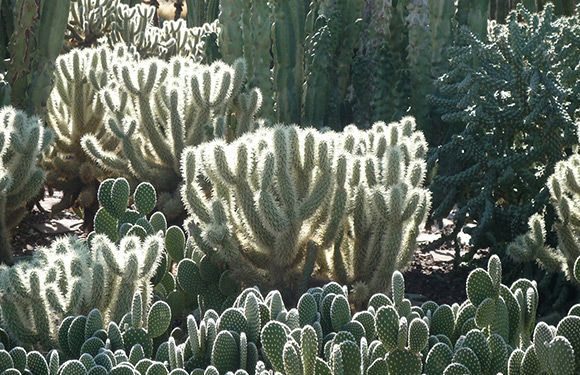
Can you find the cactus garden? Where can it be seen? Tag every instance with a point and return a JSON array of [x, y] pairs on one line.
[[271, 187]]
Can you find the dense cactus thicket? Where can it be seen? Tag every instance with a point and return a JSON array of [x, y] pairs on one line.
[[492, 332], [288, 203], [513, 101], [295, 236], [154, 110]]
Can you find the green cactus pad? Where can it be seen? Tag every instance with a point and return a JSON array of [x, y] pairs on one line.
[[175, 243], [227, 285], [102, 359], [485, 313], [225, 354], [115, 336], [157, 369], [76, 335], [87, 361], [499, 355], [188, 277], [418, 335], [456, 369], [307, 309], [143, 365], [37, 363], [232, 319], [339, 312], [158, 222], [575, 310], [356, 329], [468, 358], [378, 367], [480, 286], [106, 224], [273, 340], [569, 327], [561, 360], [158, 319], [351, 358], [6, 361], [136, 354], [98, 370], [120, 192], [139, 336], [577, 270], [378, 300], [292, 361], [476, 341], [104, 194], [94, 322], [129, 216], [92, 346], [443, 321], [18, 355], [404, 362], [387, 326], [145, 198], [368, 322], [439, 357], [73, 367], [208, 270]]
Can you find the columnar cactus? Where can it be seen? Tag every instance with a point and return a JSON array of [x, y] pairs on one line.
[[285, 198], [31, 36], [22, 140], [71, 278], [177, 104]]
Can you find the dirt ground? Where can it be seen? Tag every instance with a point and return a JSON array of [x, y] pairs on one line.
[[431, 276]]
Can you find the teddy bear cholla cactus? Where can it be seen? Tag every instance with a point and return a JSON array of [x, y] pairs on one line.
[[564, 187], [288, 202], [22, 140], [71, 278], [75, 109], [174, 105]]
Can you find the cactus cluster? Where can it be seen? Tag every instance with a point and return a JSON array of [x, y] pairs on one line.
[[287, 203], [31, 37], [175, 105], [22, 140], [320, 336], [112, 21], [564, 187], [75, 109], [514, 114], [69, 277]]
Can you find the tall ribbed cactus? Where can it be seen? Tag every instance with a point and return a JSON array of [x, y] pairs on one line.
[[32, 35], [285, 198], [22, 140], [71, 278], [176, 104]]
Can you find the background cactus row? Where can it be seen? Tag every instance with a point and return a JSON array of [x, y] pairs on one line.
[[493, 331]]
